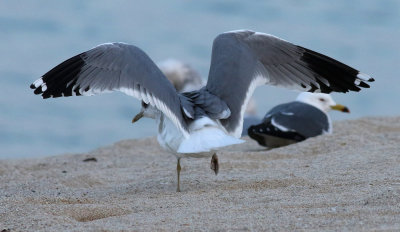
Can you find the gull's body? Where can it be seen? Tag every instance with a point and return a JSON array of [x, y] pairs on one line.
[[296, 121], [207, 119], [204, 132], [205, 136]]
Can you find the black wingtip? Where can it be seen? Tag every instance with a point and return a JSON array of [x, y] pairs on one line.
[[365, 77], [364, 85], [38, 90], [340, 77], [252, 132], [60, 81]]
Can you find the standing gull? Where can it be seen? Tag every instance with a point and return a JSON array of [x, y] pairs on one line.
[[296, 121], [193, 124]]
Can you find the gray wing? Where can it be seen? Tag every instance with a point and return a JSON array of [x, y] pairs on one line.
[[298, 117], [113, 67], [243, 60]]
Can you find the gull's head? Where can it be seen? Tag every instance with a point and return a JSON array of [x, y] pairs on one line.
[[147, 111], [322, 101]]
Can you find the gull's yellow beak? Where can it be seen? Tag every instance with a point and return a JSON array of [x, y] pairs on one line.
[[137, 117], [340, 108]]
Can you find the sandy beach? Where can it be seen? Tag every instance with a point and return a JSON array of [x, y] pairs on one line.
[[347, 181]]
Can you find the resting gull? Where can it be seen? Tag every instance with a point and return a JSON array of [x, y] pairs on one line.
[[196, 123], [181, 75], [296, 121]]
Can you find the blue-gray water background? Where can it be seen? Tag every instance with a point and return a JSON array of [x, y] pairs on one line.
[[37, 35]]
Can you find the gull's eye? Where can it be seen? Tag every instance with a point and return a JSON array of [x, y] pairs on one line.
[[321, 99], [144, 105]]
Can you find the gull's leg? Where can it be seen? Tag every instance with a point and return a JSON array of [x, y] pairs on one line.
[[214, 163], [178, 171]]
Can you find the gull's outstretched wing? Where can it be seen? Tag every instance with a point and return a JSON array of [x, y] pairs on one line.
[[243, 60], [113, 67]]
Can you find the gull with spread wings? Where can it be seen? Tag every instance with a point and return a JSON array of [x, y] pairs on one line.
[[197, 123]]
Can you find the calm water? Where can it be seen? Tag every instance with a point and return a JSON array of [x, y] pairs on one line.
[[37, 35]]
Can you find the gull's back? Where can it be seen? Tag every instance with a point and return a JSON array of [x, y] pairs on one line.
[[205, 131]]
